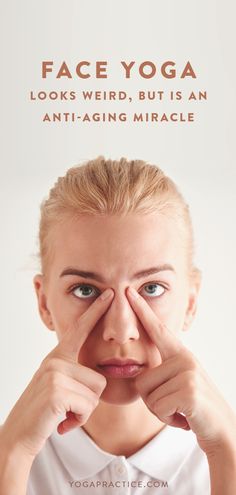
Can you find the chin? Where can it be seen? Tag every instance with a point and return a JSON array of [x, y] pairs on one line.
[[120, 392]]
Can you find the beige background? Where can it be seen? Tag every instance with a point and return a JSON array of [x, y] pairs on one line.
[[199, 156]]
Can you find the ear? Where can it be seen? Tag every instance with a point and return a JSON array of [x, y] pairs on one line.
[[44, 312], [195, 284]]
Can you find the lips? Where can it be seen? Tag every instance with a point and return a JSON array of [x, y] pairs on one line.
[[119, 362], [120, 368]]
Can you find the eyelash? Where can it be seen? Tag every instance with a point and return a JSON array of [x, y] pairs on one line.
[[71, 290]]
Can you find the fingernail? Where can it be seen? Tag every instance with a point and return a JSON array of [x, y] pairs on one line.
[[133, 293], [106, 294]]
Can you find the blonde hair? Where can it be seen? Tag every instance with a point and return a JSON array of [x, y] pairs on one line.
[[113, 187]]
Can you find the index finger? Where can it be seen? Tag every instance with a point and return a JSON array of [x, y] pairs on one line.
[[74, 338], [166, 342]]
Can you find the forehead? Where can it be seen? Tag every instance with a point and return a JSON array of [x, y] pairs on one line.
[[116, 245]]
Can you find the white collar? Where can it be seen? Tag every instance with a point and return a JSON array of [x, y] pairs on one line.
[[161, 458]]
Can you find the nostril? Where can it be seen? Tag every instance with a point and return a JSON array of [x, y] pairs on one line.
[[118, 337]]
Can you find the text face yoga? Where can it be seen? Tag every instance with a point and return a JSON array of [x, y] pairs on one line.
[[147, 70]]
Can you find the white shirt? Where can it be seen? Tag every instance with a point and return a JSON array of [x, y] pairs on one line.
[[172, 463]]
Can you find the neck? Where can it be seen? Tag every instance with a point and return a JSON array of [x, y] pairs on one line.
[[127, 427]]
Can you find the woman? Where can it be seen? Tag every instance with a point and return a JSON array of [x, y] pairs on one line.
[[117, 285]]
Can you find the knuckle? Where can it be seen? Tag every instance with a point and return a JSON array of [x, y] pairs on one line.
[[49, 364], [98, 383], [85, 410], [44, 363], [53, 379], [101, 383], [94, 401], [190, 360], [48, 357], [157, 408], [55, 401], [38, 374], [192, 385]]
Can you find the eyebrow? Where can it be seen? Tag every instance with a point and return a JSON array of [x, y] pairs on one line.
[[99, 278]]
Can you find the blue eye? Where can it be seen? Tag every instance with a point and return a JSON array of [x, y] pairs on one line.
[[155, 290], [84, 291]]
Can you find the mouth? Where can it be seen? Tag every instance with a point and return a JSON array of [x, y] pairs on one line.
[[120, 368]]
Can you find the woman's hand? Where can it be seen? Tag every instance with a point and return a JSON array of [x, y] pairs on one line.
[[60, 386], [178, 391]]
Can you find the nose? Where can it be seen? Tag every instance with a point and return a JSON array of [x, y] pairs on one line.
[[120, 322]]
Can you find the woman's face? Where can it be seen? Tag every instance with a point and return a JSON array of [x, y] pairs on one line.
[[116, 249]]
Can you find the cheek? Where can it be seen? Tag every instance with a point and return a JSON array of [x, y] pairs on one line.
[[171, 311], [65, 312]]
